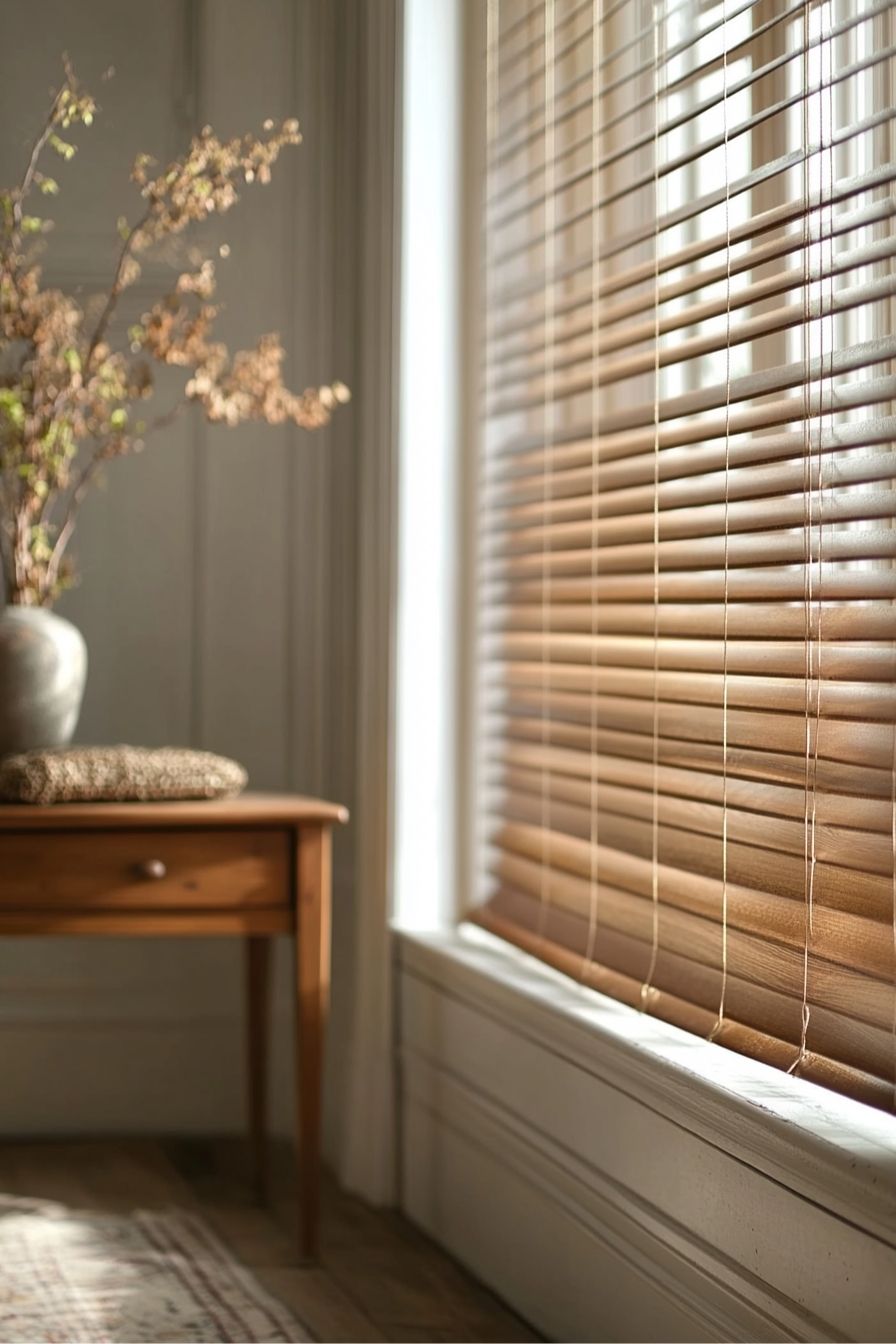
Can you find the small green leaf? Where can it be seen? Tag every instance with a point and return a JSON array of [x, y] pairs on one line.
[[72, 359], [62, 147], [11, 404], [119, 418]]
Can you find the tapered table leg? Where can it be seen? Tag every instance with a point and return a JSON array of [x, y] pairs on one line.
[[257, 1031], [312, 1002]]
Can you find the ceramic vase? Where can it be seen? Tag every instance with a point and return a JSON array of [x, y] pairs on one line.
[[43, 667]]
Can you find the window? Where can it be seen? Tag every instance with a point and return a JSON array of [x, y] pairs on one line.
[[687, 777]]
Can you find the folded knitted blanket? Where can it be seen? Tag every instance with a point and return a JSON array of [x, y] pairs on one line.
[[118, 774]]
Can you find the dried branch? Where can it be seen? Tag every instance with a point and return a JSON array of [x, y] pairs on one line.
[[68, 396], [116, 288]]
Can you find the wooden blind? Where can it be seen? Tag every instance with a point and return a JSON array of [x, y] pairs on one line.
[[687, 634]]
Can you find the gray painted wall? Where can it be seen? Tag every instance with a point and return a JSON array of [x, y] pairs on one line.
[[218, 596]]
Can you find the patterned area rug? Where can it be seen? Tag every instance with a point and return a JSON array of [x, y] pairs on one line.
[[94, 1278]]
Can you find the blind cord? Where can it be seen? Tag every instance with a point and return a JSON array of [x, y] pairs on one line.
[[647, 986], [809, 554], [726, 503], [594, 792], [550, 245]]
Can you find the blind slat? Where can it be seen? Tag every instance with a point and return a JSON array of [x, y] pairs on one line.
[[698, 70], [556, 473], [715, 552], [728, 304], [764, 174], [637, 143], [816, 509], [835, 844], [767, 766], [763, 960], [816, 400], [588, 769], [741, 491], [504, 146], [847, 939], [631, 281], [831, 581], [795, 734], [690, 1017], [870, 701]]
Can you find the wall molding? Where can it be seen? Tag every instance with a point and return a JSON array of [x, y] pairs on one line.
[[827, 1148], [638, 1191], [692, 1277], [367, 1164]]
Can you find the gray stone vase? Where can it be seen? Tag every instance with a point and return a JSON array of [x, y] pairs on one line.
[[43, 667]]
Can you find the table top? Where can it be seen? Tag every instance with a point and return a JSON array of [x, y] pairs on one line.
[[258, 809]]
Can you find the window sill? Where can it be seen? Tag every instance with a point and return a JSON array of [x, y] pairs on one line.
[[832, 1151]]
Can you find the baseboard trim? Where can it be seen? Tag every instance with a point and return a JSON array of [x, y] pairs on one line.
[[692, 1279], [826, 1148], [515, 1115]]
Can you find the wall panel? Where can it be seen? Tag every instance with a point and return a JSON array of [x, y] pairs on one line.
[[218, 591]]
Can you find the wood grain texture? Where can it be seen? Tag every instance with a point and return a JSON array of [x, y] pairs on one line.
[[246, 810], [85, 871], [220, 879], [312, 1004], [145, 923]]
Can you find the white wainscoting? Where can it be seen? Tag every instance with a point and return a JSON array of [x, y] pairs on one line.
[[219, 589], [607, 1176]]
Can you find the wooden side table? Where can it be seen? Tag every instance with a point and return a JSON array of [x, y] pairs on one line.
[[247, 867]]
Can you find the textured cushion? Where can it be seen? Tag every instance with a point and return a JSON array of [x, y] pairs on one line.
[[118, 774]]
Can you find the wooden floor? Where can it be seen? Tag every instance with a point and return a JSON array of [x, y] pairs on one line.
[[377, 1278]]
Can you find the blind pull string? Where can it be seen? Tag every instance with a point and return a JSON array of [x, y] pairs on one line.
[[808, 556], [594, 792], [548, 425], [647, 987], [725, 590], [826, 328], [479, 837]]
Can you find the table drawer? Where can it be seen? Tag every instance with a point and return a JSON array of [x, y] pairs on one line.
[[145, 869]]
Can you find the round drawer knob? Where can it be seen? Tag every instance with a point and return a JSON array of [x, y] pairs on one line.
[[152, 869]]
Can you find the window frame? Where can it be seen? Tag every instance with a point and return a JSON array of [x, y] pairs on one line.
[[829, 1150]]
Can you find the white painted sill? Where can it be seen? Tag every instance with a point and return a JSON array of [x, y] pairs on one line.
[[836, 1152]]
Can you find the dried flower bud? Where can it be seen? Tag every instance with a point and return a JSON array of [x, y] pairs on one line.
[[69, 400]]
